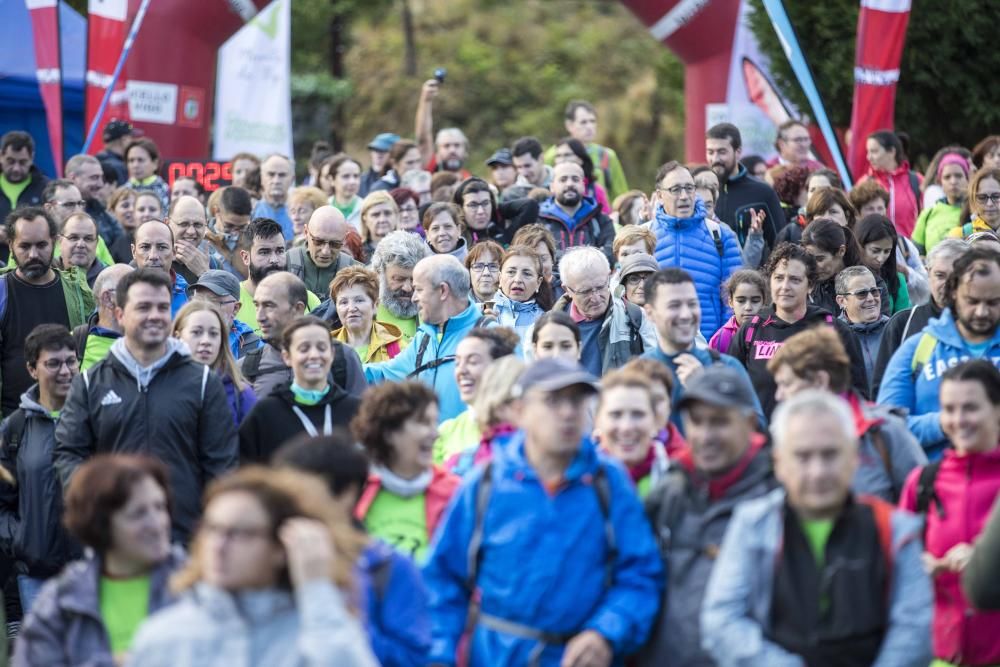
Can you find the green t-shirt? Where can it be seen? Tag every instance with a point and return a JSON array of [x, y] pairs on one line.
[[817, 533], [407, 326], [644, 486], [455, 435], [124, 606], [348, 208], [248, 312], [400, 522], [96, 350], [13, 190]]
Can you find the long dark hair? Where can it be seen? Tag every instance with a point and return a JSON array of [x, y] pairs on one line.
[[875, 228], [580, 151], [829, 235]]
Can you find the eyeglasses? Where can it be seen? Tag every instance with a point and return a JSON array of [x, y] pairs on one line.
[[75, 238], [332, 244], [634, 279], [677, 190], [483, 267], [798, 140], [993, 197], [863, 293], [586, 292], [196, 226], [478, 204], [56, 364], [70, 205]]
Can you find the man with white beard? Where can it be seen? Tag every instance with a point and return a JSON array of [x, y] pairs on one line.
[[393, 260]]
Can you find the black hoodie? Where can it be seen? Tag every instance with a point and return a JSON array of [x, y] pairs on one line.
[[758, 340], [272, 422]]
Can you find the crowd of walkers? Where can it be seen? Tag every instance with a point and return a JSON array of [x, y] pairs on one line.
[[394, 413]]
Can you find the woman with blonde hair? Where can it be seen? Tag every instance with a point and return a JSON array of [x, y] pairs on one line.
[[379, 216], [266, 581], [202, 326], [492, 409], [302, 201], [354, 292]]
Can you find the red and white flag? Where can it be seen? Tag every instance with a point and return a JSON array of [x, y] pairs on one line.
[[107, 27], [45, 28], [881, 36]]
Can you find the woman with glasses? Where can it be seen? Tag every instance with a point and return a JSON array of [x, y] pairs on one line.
[[354, 292], [267, 583], [31, 505], [379, 216], [707, 250], [983, 205], [119, 507], [487, 219], [483, 263]]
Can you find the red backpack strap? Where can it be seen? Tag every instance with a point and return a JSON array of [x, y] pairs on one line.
[[882, 513]]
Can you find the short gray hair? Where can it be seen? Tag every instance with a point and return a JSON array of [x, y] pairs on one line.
[[812, 402], [448, 270], [74, 163], [108, 278], [400, 248], [845, 276], [948, 250], [583, 260], [450, 130]]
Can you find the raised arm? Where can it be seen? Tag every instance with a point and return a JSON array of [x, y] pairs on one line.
[[424, 121]]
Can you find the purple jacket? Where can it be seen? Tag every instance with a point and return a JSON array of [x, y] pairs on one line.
[[240, 403], [720, 339]]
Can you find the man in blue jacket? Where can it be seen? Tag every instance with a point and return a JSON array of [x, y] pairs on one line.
[[673, 305], [967, 329], [574, 218], [441, 291], [545, 551], [687, 240]]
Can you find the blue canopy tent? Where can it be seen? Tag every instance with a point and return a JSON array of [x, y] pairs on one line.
[[21, 106]]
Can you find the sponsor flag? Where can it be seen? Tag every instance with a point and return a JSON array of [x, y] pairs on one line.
[[48, 68]]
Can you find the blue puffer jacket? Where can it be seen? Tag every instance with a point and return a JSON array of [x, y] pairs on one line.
[[542, 562], [436, 343], [687, 243], [919, 395]]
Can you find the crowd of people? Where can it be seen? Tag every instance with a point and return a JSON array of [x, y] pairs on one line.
[[394, 413]]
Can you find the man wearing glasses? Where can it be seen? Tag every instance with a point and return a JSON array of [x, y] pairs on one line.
[[686, 239], [64, 201], [323, 255], [794, 147], [189, 225]]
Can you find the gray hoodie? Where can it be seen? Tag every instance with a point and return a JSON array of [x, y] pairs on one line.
[[144, 374]]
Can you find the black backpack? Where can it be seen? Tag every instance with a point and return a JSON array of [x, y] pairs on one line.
[[926, 495], [251, 365], [420, 366]]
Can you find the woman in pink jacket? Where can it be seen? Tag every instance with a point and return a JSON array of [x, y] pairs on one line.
[[957, 499], [887, 164]]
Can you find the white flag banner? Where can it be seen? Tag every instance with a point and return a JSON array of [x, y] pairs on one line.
[[253, 103]]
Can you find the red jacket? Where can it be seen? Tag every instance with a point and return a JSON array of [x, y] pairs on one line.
[[903, 202], [443, 485], [967, 486]]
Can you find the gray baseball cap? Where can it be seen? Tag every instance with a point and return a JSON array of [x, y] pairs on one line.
[[553, 374], [721, 386], [221, 283]]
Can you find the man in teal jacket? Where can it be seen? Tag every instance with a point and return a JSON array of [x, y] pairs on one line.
[[969, 328], [441, 291]]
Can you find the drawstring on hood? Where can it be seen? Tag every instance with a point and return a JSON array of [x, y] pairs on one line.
[[144, 374]]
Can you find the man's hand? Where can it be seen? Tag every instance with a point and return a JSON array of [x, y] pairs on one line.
[[587, 649], [190, 256], [757, 221], [430, 90], [686, 365], [308, 549]]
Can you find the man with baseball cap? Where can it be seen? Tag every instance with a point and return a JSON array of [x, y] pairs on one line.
[[378, 151], [223, 289], [725, 463], [503, 173], [117, 134], [550, 537]]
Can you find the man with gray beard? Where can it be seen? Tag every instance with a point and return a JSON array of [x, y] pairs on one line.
[[393, 260]]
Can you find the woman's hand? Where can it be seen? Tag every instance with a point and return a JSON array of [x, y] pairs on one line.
[[309, 550]]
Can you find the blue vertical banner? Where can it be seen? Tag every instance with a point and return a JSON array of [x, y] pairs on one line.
[[790, 44]]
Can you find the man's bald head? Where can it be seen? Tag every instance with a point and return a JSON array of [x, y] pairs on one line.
[[279, 298], [567, 168], [187, 219], [325, 234], [154, 245]]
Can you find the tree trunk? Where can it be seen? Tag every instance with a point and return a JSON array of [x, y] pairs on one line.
[[410, 65], [338, 47]]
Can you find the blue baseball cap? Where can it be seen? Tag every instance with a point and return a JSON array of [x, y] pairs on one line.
[[383, 142]]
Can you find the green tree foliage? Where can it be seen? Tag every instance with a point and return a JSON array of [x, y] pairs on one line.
[[512, 67], [945, 94]]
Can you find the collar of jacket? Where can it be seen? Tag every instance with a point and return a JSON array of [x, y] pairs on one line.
[[460, 322], [945, 329], [588, 208], [517, 466], [865, 327], [670, 222], [718, 486]]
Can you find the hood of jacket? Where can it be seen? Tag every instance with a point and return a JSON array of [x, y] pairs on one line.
[[517, 466], [551, 210], [669, 222], [866, 328], [30, 404], [144, 375]]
